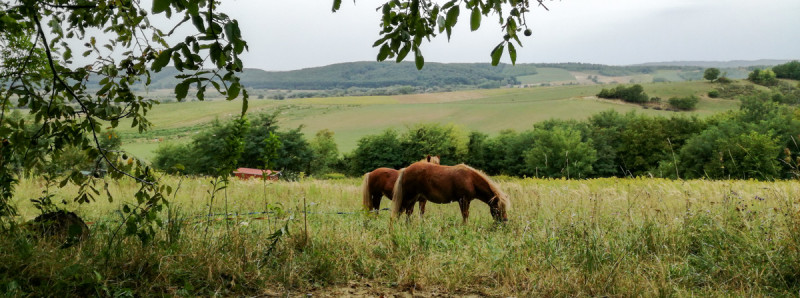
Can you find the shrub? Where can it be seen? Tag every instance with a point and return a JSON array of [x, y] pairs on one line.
[[633, 93], [711, 74], [713, 93], [763, 77], [789, 70], [684, 103]]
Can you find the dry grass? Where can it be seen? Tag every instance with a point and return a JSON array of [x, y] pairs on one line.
[[620, 237]]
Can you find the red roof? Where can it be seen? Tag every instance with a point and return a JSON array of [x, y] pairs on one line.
[[253, 171]]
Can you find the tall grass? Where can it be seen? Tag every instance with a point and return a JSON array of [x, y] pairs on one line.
[[565, 237]]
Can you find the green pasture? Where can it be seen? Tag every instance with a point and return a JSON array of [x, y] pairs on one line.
[[352, 118], [599, 237], [547, 75]]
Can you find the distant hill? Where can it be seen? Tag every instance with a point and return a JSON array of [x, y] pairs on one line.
[[455, 76], [720, 64], [372, 75]]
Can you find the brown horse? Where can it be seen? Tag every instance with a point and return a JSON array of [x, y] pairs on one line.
[[380, 182], [446, 184]]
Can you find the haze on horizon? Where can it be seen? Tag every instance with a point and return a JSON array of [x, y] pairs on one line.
[[283, 35]]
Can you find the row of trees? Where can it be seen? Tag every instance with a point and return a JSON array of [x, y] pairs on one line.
[[757, 141], [264, 146], [749, 143]]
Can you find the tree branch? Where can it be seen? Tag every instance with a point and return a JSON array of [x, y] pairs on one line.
[[73, 7], [89, 117]]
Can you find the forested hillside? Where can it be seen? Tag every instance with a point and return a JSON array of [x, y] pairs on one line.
[[373, 75]]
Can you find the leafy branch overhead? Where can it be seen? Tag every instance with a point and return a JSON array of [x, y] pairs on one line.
[[71, 102], [406, 23]]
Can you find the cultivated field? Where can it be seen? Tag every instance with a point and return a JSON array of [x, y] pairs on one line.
[[602, 237], [352, 118]]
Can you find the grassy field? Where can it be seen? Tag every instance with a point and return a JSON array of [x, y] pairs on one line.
[[548, 75], [352, 118], [603, 237]]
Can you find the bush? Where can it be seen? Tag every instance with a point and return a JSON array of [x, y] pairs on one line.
[[763, 77], [633, 93], [724, 80], [559, 152], [713, 93], [684, 103], [711, 74], [789, 70]]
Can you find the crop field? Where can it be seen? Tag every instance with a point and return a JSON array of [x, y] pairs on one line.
[[601, 237], [352, 118]]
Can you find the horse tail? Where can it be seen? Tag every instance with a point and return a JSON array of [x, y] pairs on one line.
[[367, 195], [397, 197]]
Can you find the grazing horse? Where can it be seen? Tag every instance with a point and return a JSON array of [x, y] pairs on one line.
[[446, 184], [380, 182]]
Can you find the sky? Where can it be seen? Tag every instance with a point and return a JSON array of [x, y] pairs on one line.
[[286, 35]]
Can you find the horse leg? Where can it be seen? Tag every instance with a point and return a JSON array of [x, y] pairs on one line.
[[409, 207], [464, 204], [376, 202], [422, 207]]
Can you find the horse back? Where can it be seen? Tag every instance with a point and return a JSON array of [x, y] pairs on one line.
[[444, 184], [382, 180]]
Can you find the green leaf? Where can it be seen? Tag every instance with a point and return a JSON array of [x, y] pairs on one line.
[[230, 29], [418, 59], [162, 60], [336, 5], [217, 55], [233, 91], [384, 52], [512, 53], [244, 105], [403, 52], [475, 20], [181, 90], [452, 16], [160, 6], [496, 53], [197, 20]]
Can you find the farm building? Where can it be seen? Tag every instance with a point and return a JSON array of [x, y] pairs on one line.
[[247, 173]]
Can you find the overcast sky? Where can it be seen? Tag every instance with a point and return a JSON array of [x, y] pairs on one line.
[[288, 35]]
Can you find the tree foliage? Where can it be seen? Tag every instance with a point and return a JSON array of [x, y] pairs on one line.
[[38, 39], [405, 24], [325, 151], [560, 152], [634, 93], [711, 74], [789, 70], [686, 103], [764, 77]]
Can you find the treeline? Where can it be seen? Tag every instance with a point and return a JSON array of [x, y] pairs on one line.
[[757, 141], [265, 146], [371, 75]]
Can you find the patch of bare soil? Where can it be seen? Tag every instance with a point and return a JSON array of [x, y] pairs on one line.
[[355, 289]]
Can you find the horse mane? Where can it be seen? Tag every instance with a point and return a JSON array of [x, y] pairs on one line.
[[434, 159], [367, 195], [397, 196], [502, 198]]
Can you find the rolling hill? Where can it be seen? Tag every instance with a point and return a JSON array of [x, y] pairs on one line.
[[353, 117]]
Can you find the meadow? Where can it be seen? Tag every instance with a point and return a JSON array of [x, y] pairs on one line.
[[352, 118], [599, 237]]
